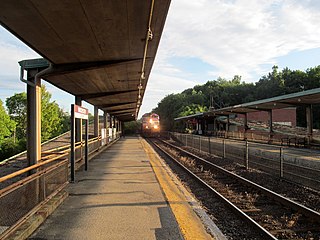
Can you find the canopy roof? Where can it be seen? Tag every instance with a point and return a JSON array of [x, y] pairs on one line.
[[290, 100], [101, 51]]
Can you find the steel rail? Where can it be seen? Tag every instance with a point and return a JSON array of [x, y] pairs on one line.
[[24, 170], [275, 196], [238, 211], [30, 178]]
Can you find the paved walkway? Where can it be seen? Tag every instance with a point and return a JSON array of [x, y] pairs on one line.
[[118, 198]]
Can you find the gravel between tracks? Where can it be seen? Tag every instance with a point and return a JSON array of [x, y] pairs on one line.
[[305, 196]]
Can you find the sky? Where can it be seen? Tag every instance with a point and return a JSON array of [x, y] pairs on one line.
[[203, 40]]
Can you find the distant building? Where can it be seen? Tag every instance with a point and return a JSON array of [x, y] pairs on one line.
[[284, 116]]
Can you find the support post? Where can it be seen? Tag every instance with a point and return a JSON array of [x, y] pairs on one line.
[[186, 140], [245, 126], [122, 130], [281, 162], [223, 149], [113, 126], [96, 121], [72, 155], [200, 144], [86, 146], [309, 123], [209, 145], [227, 126], [192, 140], [33, 119], [270, 126], [105, 120], [247, 156], [78, 122]]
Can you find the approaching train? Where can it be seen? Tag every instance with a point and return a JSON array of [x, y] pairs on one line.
[[150, 125]]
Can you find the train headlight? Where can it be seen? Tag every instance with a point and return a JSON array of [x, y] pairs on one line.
[[155, 126], [147, 127]]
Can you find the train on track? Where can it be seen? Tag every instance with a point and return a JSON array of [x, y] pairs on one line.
[[150, 126]]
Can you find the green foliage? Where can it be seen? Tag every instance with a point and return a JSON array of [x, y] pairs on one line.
[[132, 127], [9, 148], [54, 122], [192, 109], [52, 117], [17, 109], [221, 93], [169, 108], [7, 126]]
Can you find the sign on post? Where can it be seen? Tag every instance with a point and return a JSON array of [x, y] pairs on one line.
[[82, 113]]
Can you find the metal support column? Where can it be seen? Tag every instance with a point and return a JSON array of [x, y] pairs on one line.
[[105, 119], [72, 147], [309, 117], [122, 129], [270, 126], [245, 123], [227, 125], [78, 122], [96, 121], [86, 152], [33, 119], [112, 126], [110, 121]]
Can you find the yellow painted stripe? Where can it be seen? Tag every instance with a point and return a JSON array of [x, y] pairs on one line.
[[189, 223]]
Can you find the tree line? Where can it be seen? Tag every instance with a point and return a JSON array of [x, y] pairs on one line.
[[222, 92], [13, 122]]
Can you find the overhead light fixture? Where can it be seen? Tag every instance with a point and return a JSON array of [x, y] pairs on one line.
[[150, 34], [140, 86], [139, 96], [142, 76]]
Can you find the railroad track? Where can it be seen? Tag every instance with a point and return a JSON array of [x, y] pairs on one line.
[[270, 214]]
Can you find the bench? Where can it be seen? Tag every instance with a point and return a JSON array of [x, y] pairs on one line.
[[296, 141]]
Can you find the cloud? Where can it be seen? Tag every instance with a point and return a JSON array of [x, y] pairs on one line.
[[239, 37], [11, 54], [159, 86], [243, 37]]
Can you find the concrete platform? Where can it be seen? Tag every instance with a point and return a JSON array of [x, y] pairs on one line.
[[119, 197]]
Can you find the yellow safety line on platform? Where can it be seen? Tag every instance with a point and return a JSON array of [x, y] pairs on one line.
[[189, 223]]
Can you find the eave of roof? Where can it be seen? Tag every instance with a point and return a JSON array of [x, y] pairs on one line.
[[307, 97]]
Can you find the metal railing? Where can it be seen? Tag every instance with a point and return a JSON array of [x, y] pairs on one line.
[[273, 159], [24, 191]]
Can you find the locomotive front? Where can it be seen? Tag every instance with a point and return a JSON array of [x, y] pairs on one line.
[[150, 125]]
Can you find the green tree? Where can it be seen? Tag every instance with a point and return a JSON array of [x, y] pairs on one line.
[[169, 108], [132, 127], [17, 109], [192, 109], [8, 146], [7, 126], [53, 120]]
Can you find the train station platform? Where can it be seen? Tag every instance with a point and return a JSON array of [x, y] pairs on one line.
[[126, 193]]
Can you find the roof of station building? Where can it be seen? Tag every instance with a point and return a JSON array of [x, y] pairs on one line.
[[101, 51], [302, 98]]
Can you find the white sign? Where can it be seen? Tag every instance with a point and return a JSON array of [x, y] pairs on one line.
[[80, 112]]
